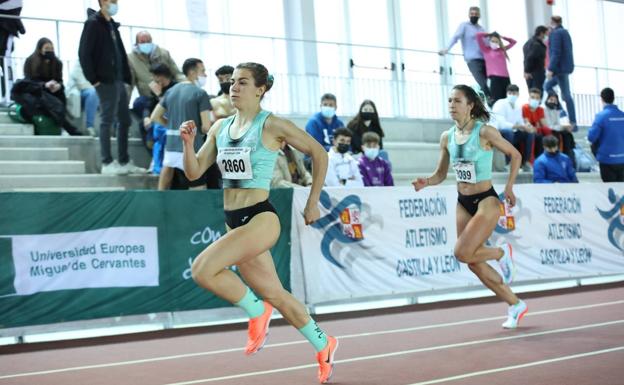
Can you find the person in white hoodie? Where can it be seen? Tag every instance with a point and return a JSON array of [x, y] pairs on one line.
[[342, 169], [82, 95]]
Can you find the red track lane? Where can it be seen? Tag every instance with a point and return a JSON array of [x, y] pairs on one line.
[[478, 351]]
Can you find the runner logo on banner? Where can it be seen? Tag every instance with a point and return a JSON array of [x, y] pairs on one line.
[[615, 232]]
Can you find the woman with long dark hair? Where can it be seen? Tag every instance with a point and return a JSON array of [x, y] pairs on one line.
[[43, 66], [496, 58], [366, 120], [468, 147]]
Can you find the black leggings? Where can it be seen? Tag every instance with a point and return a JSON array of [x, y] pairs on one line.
[[471, 202], [239, 217]]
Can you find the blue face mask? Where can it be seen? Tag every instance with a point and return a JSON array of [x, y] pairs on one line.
[[371, 153], [534, 103], [328, 112], [112, 9], [146, 48], [512, 99]]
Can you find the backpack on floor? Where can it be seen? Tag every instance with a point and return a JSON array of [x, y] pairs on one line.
[[45, 125]]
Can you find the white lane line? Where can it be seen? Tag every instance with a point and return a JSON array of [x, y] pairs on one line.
[[521, 366], [367, 334], [404, 352]]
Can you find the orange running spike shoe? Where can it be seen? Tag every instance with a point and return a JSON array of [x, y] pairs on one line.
[[258, 330], [325, 360]]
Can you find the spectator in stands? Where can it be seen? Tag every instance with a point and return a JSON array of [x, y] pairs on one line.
[[322, 125], [143, 57], [163, 82], [561, 64], [467, 32], [87, 97], [43, 66], [375, 171], [495, 55], [507, 118], [557, 120], [607, 135], [366, 120], [553, 166], [289, 169], [185, 101], [222, 106], [342, 168], [9, 30], [105, 65], [535, 58], [534, 118]]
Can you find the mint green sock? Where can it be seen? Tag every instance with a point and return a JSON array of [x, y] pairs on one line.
[[253, 306], [315, 335]]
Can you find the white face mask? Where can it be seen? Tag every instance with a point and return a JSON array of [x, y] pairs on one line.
[[328, 112], [494, 46], [201, 81], [371, 153]]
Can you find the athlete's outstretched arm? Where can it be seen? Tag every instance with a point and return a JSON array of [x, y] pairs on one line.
[[439, 175], [496, 139], [302, 141], [196, 164]]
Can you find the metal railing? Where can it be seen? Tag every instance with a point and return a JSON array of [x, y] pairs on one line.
[[417, 90]]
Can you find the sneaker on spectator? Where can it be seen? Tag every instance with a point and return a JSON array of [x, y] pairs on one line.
[[91, 131], [131, 168], [113, 168], [527, 167]]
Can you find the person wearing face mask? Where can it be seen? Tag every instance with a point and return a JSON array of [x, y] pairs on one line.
[[342, 168], [374, 169], [222, 106], [187, 100], [467, 33], [557, 120], [43, 66], [495, 55], [534, 51], [105, 65], [607, 138], [535, 119], [367, 120], [321, 126], [553, 166], [560, 64]]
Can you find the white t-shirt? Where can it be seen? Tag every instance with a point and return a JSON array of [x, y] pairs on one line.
[[342, 167]]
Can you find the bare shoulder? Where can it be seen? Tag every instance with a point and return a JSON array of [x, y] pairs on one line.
[[216, 126], [444, 139], [279, 125], [488, 131]]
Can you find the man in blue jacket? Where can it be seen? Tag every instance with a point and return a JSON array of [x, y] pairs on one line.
[[553, 166], [321, 125], [561, 65], [607, 135]]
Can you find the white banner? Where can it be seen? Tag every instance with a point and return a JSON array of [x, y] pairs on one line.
[[382, 241], [111, 257]]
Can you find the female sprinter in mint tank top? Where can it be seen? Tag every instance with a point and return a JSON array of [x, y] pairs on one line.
[[245, 147], [468, 147]]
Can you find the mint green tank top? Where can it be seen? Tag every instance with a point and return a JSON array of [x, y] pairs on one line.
[[471, 151], [245, 162]]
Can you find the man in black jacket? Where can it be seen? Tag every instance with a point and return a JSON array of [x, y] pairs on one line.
[[535, 58], [105, 64]]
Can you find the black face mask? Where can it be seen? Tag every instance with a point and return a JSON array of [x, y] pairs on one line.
[[48, 55], [367, 115], [552, 106], [225, 87], [343, 148], [474, 19]]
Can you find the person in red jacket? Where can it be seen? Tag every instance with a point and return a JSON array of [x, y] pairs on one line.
[[535, 119]]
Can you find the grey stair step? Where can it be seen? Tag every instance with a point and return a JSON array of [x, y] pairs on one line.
[[4, 117], [34, 153], [97, 182], [68, 189], [16, 129], [412, 157], [34, 167]]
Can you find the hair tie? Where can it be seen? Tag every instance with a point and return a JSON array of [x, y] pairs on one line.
[[270, 78]]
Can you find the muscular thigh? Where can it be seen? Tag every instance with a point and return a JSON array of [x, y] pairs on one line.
[[479, 228], [241, 244]]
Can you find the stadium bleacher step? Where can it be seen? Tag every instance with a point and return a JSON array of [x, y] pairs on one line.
[[34, 153], [37, 167], [412, 157], [4, 117], [94, 182], [16, 129]]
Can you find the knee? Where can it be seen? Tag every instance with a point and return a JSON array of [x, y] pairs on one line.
[[462, 254], [201, 274]]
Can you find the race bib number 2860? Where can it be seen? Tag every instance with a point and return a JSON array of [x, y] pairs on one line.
[[235, 162]]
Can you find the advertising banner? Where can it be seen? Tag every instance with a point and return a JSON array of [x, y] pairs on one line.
[[384, 241]]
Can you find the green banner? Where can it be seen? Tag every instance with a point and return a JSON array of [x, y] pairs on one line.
[[77, 256]]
